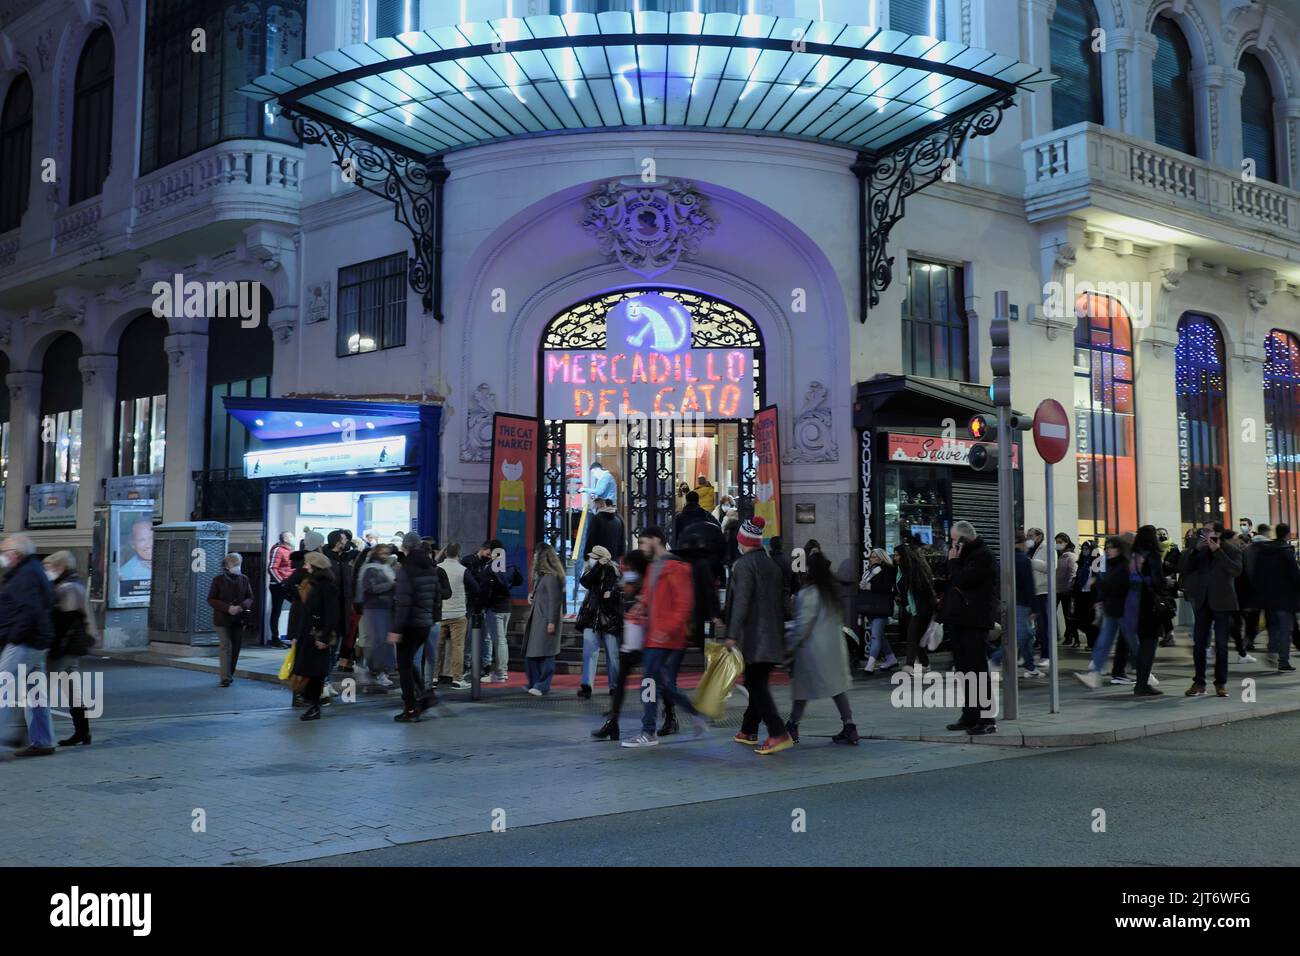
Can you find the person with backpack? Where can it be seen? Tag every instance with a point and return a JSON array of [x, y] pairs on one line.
[[821, 660], [875, 602], [420, 589], [74, 634], [321, 630]]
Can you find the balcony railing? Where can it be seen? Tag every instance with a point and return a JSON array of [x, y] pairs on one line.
[[224, 494], [243, 171], [1064, 167]]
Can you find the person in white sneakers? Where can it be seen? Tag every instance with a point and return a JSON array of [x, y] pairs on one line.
[[876, 603], [454, 622]]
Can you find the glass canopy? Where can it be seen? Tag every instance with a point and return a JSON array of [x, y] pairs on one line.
[[427, 93]]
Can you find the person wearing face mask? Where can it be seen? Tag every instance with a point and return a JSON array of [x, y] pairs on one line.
[[26, 633], [229, 597], [1066, 566], [1034, 539], [74, 633]]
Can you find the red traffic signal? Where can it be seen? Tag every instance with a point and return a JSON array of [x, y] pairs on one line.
[[981, 428]]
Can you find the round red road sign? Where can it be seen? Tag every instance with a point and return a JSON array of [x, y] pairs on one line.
[[1051, 431]]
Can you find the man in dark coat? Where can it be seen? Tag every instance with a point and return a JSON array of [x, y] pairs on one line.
[[606, 530], [1275, 578], [755, 619], [1208, 566], [968, 612], [690, 514], [26, 633]]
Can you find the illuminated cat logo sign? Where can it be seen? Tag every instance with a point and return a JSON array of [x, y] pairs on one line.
[[650, 321]]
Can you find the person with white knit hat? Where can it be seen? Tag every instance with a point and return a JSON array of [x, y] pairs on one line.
[[755, 620]]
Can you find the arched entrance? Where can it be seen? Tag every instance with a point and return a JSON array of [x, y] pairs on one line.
[[689, 429]]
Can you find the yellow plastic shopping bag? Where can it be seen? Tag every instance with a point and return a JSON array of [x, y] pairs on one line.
[[286, 669], [724, 667]]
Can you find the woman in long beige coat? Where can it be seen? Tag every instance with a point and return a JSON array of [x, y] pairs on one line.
[[542, 632], [821, 659]]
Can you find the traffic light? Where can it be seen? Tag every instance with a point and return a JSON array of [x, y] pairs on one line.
[[984, 429], [1000, 355], [983, 457], [981, 429]]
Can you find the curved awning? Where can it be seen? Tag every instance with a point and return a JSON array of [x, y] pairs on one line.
[[426, 93]]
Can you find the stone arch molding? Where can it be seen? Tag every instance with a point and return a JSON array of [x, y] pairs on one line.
[[59, 120], [801, 348], [1204, 41]]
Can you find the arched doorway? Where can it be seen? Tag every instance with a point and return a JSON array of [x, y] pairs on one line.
[[652, 450]]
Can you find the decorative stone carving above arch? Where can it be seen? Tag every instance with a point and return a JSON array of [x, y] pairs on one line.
[[477, 443], [648, 227], [1186, 9], [813, 435]]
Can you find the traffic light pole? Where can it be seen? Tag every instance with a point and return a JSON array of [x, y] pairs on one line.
[[1007, 577]]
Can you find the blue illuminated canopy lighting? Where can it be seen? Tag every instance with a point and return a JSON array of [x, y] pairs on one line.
[[427, 93]]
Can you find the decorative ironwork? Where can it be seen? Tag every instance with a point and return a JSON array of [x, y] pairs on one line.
[[648, 228], [413, 185], [885, 181], [650, 444], [224, 494], [553, 497]]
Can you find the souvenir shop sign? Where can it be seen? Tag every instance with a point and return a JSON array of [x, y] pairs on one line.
[[936, 450], [648, 369], [513, 497]]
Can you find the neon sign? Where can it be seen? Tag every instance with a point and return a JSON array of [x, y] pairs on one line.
[[648, 369]]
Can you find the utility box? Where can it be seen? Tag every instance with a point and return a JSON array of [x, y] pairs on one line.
[[187, 555]]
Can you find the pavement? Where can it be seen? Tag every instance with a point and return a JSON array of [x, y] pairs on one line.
[[183, 772]]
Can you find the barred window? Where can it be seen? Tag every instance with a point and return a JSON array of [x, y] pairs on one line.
[[1201, 375], [372, 305], [935, 331], [1105, 417]]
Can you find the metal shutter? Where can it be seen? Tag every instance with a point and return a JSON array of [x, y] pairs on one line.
[[1257, 118], [913, 16], [1076, 96], [975, 499], [1175, 117]]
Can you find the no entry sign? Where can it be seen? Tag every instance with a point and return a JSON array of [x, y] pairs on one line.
[[1051, 431]]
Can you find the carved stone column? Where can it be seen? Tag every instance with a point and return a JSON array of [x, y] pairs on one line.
[[187, 389], [98, 395], [24, 444]]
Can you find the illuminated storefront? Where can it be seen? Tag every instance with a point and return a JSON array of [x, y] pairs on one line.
[[1202, 389], [1282, 426]]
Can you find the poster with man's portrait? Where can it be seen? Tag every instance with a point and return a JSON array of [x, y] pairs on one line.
[[132, 569]]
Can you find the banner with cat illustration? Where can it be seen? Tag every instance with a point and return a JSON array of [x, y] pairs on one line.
[[767, 466], [511, 507]]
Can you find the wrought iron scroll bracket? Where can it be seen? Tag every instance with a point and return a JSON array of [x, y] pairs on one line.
[[885, 182], [414, 187]]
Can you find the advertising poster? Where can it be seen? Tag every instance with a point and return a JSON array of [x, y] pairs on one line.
[[52, 505], [767, 482], [132, 540], [513, 496], [573, 473]]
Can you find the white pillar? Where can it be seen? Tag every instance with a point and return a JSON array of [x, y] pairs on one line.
[[187, 387], [98, 398], [1135, 51], [24, 444], [1037, 16], [1286, 135]]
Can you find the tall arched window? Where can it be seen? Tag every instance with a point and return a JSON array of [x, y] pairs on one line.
[[1257, 118], [61, 410], [142, 396], [393, 17], [191, 97], [1104, 417], [4, 425], [1282, 425], [15, 152], [919, 17], [1201, 379], [1171, 77], [1076, 96], [92, 118]]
